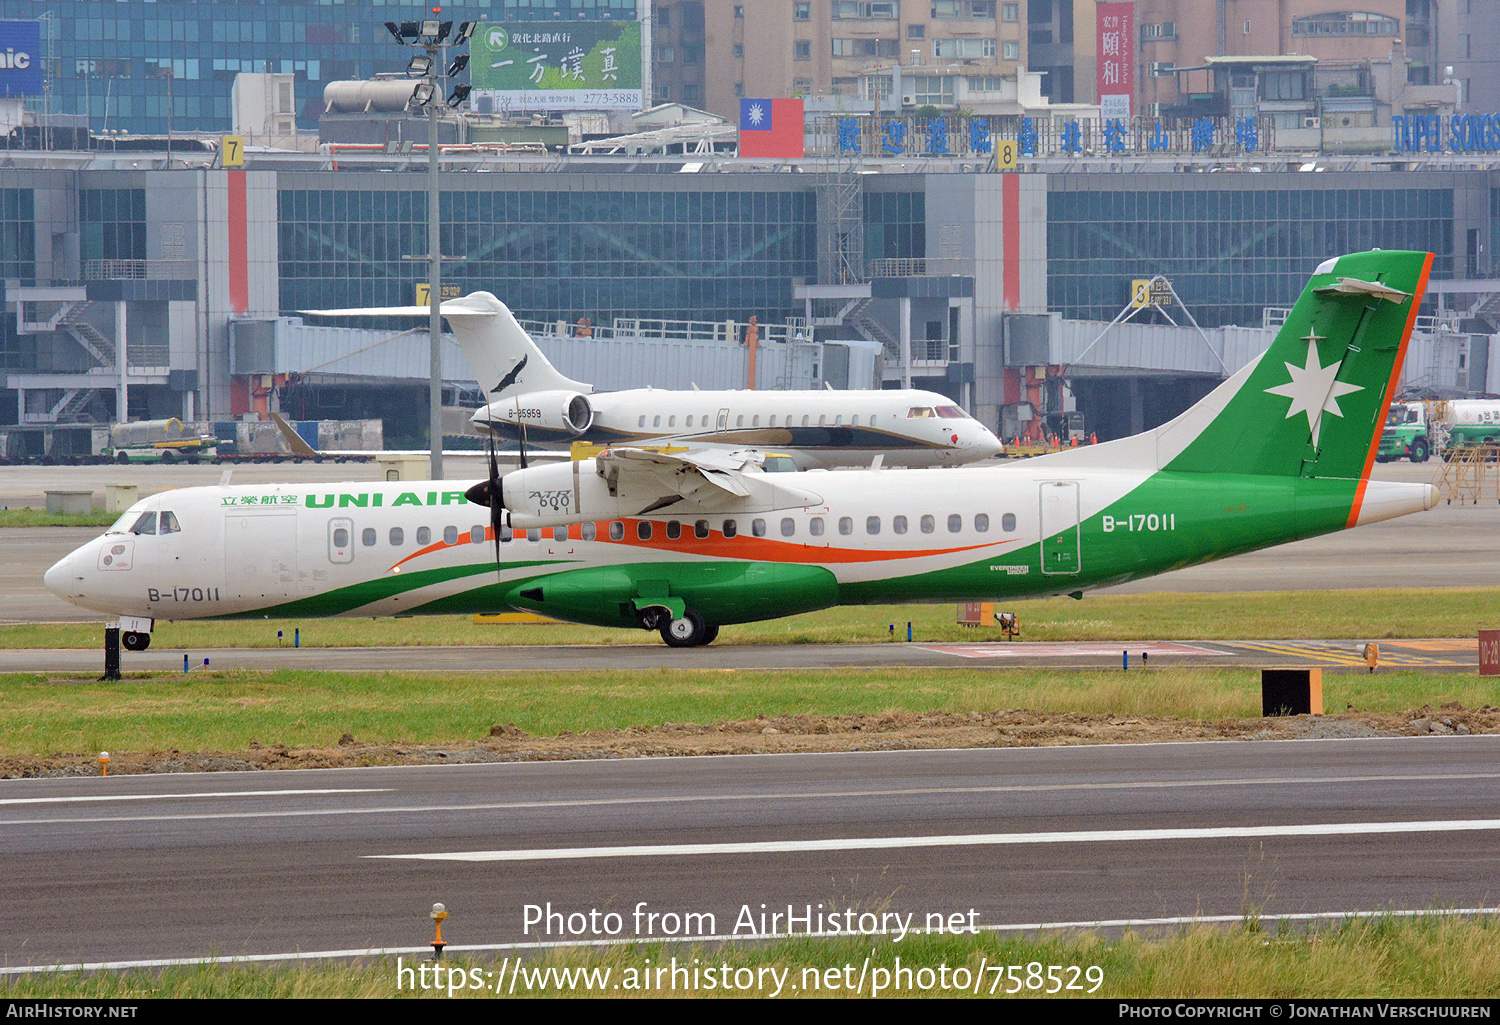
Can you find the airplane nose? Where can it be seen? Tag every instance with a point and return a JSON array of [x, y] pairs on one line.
[[59, 578]]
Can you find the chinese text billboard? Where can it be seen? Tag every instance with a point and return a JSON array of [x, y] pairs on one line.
[[1116, 63], [590, 65]]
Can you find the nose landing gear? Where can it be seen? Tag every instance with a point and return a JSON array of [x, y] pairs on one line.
[[133, 640]]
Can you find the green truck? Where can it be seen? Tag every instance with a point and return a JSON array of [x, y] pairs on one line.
[[1415, 430]]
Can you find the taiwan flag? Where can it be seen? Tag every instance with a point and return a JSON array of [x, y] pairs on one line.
[[771, 128]]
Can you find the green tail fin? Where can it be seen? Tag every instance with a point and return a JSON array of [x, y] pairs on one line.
[[1314, 404]]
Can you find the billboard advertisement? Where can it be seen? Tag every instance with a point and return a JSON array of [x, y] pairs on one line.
[[587, 65], [20, 58], [1116, 61]]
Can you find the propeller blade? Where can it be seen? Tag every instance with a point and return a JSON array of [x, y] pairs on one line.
[[523, 445]]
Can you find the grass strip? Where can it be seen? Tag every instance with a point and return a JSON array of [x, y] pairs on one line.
[[1439, 956], [27, 517], [40, 715], [1364, 614]]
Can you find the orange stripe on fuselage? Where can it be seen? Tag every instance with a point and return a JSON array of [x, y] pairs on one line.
[[1390, 393], [744, 547]]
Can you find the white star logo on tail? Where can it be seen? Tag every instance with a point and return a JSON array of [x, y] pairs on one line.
[[1313, 388]]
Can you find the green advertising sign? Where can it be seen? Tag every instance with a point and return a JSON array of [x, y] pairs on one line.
[[586, 65]]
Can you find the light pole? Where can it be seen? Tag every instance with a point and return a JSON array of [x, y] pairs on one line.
[[428, 38]]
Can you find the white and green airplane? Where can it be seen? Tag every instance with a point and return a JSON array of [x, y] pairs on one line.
[[683, 542]]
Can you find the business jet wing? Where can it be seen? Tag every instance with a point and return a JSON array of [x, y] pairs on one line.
[[708, 479]]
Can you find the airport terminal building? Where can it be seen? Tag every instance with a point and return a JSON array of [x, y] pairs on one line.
[[976, 282]]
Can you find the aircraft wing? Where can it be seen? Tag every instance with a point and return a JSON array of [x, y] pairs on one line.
[[703, 478]]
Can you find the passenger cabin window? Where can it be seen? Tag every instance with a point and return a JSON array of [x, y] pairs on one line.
[[788, 526], [815, 526], [955, 523], [424, 535], [773, 420], [730, 528], [476, 535], [1008, 523], [700, 529], [559, 533], [617, 531], [854, 420], [739, 421], [168, 524], [872, 524], [368, 537], [340, 537], [755, 420], [643, 530], [982, 522], [534, 534], [898, 524], [450, 535], [928, 524], [758, 527], [398, 537], [656, 421], [674, 530], [671, 421], [689, 422], [846, 525], [872, 419], [590, 531], [144, 524], [641, 422]]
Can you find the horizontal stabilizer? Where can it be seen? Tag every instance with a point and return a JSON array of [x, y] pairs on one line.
[[1354, 286]]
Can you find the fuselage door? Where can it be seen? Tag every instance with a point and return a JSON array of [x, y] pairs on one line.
[[723, 421], [1060, 530], [260, 554], [340, 540]]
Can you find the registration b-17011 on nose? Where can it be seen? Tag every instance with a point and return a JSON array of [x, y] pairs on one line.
[[685, 542]]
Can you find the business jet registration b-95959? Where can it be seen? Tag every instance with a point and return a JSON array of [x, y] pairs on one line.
[[684, 542], [813, 429]]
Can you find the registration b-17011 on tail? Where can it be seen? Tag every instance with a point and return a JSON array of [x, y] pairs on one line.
[[689, 541]]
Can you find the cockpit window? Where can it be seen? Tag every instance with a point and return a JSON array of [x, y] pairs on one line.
[[920, 413], [169, 524], [146, 524], [952, 413]]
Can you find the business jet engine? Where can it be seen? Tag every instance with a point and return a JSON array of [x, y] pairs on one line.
[[551, 414]]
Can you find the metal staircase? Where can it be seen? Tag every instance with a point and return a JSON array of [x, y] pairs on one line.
[[87, 335]]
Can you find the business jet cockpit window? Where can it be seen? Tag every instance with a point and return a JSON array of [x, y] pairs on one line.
[[952, 413], [920, 413]]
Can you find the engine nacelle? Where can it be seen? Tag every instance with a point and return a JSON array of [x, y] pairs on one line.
[[552, 414], [561, 493]]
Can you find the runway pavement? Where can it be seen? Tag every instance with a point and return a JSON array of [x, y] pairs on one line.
[[139, 867], [1434, 654]]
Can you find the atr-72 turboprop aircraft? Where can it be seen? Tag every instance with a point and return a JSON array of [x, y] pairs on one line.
[[686, 542], [815, 429]]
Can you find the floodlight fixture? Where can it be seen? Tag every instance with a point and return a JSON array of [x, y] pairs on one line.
[[395, 30], [460, 93], [419, 66], [422, 94], [429, 30], [459, 63], [443, 30], [465, 30], [410, 30]]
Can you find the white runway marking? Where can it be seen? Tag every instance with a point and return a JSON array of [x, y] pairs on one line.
[[957, 840], [787, 796], [189, 797]]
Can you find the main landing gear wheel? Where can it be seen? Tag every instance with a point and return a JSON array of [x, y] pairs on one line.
[[132, 640], [687, 632]]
